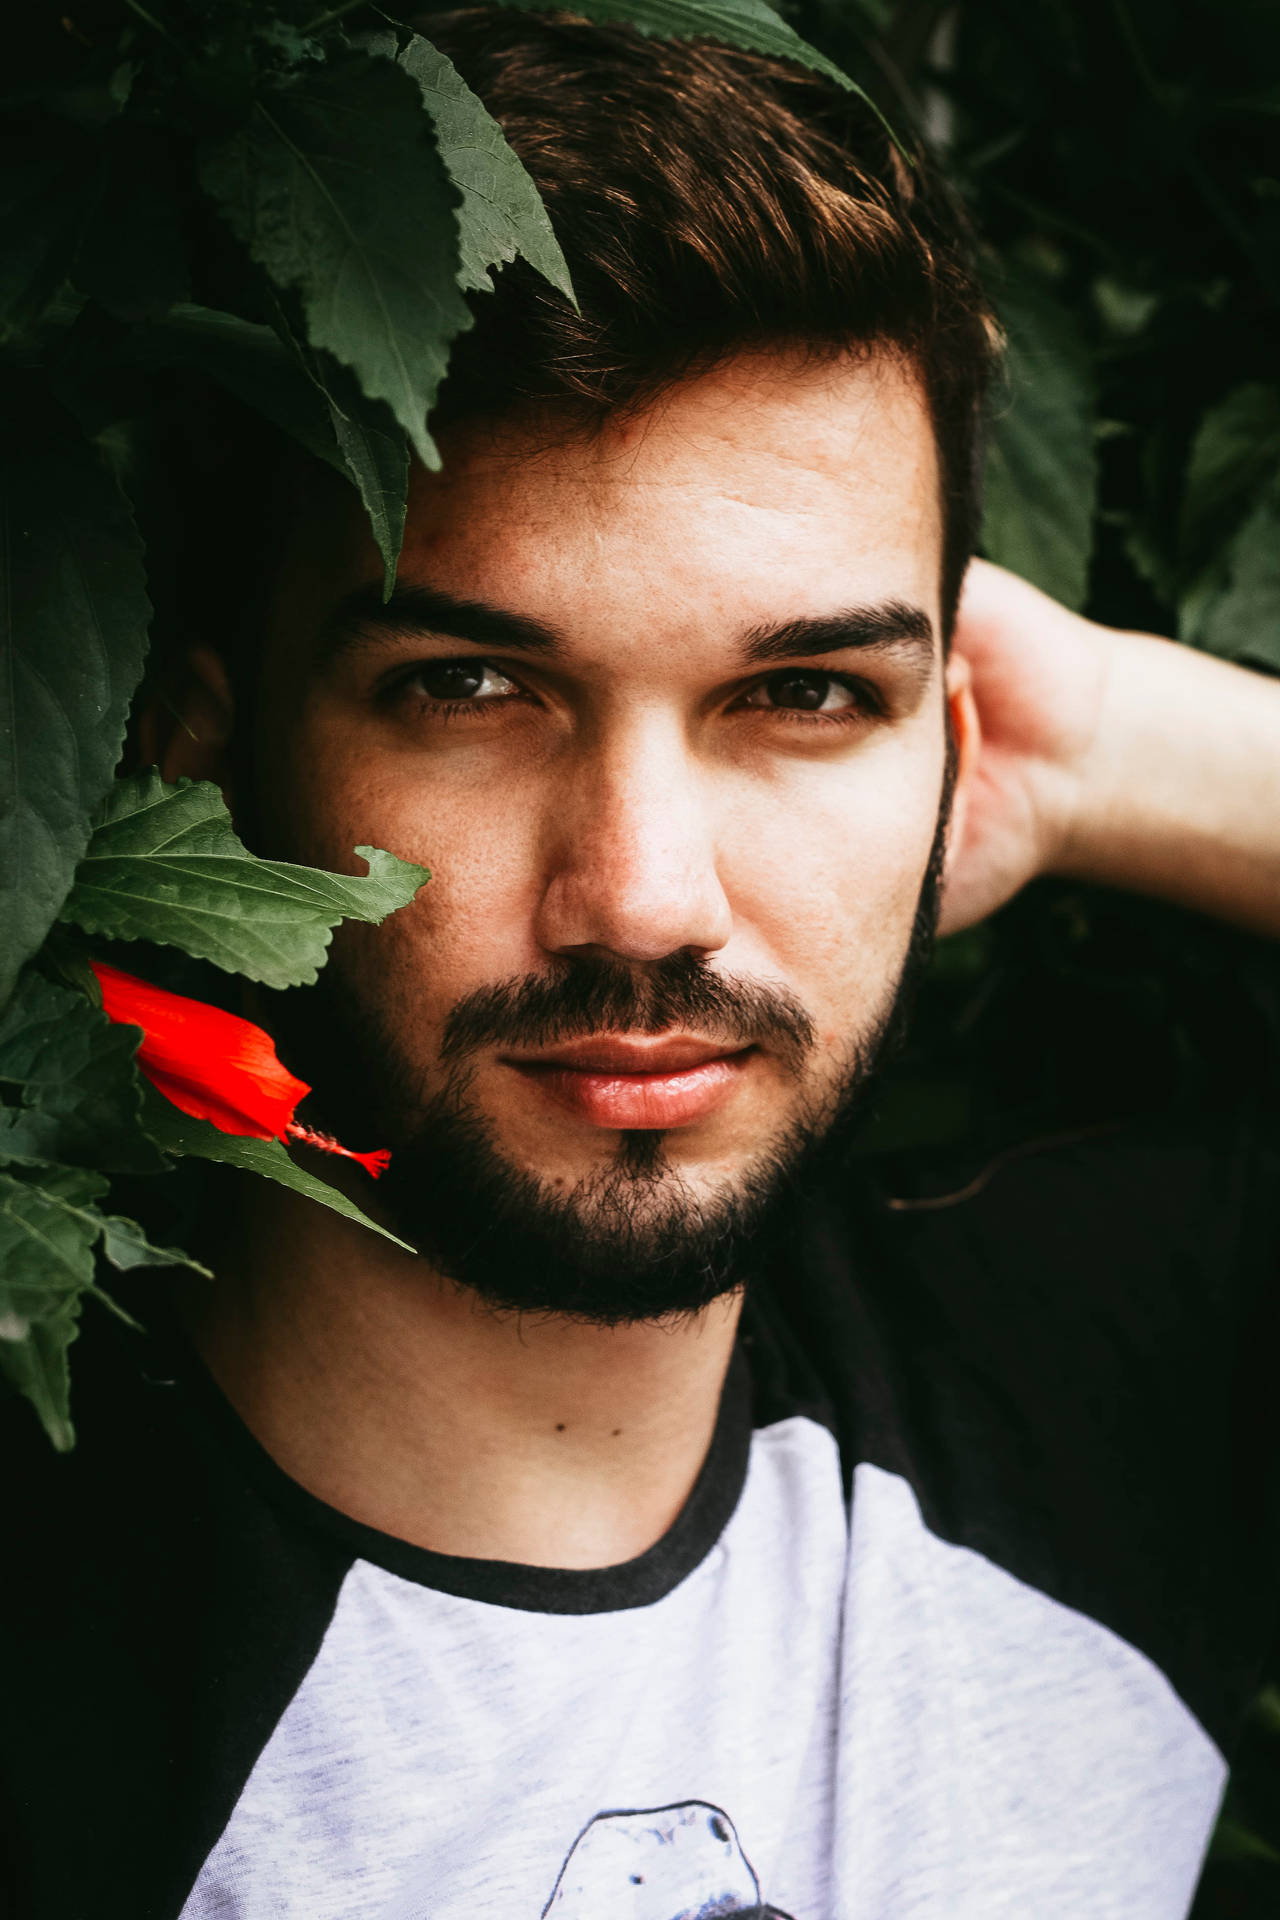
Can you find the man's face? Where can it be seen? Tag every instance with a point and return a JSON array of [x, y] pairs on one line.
[[662, 709]]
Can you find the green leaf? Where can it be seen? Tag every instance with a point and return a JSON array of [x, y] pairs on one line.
[[36, 1367], [373, 452], [376, 455], [307, 395], [72, 1070], [1235, 453], [73, 634], [48, 1227], [737, 23], [165, 864], [179, 1133], [1124, 309], [1042, 466], [126, 1246], [337, 190], [64, 959], [1243, 620], [252, 363], [501, 213]]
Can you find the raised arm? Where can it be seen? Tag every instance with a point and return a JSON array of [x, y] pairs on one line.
[[1113, 757]]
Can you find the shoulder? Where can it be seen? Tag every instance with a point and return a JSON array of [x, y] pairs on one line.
[[166, 1608], [1060, 1347]]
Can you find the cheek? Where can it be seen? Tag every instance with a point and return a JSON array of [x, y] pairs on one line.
[[330, 780], [833, 874], [471, 924]]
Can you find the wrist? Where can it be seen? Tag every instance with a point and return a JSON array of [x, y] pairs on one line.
[[1073, 777], [1089, 792]]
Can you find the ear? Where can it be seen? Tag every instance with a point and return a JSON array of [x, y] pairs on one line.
[[966, 731], [187, 730]]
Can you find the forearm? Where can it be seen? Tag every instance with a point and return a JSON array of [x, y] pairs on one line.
[[1179, 795]]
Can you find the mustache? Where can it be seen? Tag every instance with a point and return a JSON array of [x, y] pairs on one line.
[[586, 996]]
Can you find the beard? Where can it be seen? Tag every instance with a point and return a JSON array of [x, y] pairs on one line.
[[632, 1240]]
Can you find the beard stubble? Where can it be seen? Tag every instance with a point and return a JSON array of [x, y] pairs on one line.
[[631, 1241]]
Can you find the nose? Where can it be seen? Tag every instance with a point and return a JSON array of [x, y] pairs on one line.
[[632, 872]]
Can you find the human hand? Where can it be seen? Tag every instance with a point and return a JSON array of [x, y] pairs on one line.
[[1037, 676]]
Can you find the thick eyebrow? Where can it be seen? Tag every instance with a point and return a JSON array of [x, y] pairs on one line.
[[891, 625], [364, 619]]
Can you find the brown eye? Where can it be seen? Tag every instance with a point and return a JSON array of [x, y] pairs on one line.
[[460, 680], [798, 691]]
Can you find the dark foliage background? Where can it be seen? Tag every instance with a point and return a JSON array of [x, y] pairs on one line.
[[1122, 161]]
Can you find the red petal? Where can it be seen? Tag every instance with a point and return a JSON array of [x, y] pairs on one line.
[[204, 1105], [211, 1064]]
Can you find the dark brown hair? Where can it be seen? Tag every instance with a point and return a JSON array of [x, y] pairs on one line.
[[709, 200]]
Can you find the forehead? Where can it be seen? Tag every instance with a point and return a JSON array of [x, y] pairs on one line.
[[769, 489]]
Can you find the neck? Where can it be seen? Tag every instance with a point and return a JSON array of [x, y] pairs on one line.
[[404, 1402]]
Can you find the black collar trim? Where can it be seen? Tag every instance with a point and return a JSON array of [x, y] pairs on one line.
[[635, 1583]]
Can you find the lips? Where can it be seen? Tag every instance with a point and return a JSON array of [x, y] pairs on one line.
[[637, 1083]]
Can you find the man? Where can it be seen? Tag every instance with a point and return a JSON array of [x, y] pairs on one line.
[[692, 1528]]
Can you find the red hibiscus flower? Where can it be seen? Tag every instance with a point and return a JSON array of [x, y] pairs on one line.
[[216, 1066]]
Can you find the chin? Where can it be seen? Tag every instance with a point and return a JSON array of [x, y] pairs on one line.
[[636, 1238]]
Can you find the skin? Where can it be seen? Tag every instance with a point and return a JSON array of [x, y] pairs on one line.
[[640, 795]]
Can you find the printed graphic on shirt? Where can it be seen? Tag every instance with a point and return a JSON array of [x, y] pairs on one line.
[[661, 1863]]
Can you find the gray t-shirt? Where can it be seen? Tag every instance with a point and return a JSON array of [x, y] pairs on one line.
[[823, 1717]]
